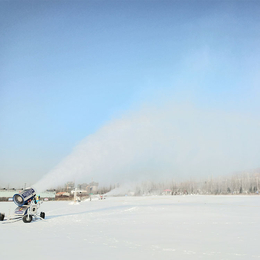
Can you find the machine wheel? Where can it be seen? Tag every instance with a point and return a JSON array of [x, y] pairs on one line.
[[27, 219], [42, 215], [2, 216]]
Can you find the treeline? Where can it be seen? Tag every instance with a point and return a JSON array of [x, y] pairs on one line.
[[241, 183]]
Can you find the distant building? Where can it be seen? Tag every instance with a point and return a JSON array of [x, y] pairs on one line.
[[167, 192], [92, 188], [83, 186], [62, 194], [70, 186]]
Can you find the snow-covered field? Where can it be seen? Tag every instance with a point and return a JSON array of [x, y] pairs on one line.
[[159, 227]]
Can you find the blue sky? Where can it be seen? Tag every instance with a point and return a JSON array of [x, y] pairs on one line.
[[68, 67]]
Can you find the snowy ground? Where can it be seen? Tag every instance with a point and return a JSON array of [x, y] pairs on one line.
[[163, 227]]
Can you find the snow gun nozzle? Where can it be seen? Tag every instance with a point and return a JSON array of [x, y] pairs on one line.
[[25, 197]]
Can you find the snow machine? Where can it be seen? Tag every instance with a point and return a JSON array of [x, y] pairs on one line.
[[27, 209]]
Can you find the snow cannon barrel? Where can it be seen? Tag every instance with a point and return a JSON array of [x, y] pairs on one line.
[[24, 197]]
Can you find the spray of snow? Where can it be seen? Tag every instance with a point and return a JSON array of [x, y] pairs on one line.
[[123, 189], [155, 143]]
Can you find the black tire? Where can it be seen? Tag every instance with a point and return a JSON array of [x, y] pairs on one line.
[[42, 215], [2, 216], [27, 219]]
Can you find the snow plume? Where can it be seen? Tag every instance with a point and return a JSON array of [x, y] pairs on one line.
[[158, 143], [124, 189], [138, 188]]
